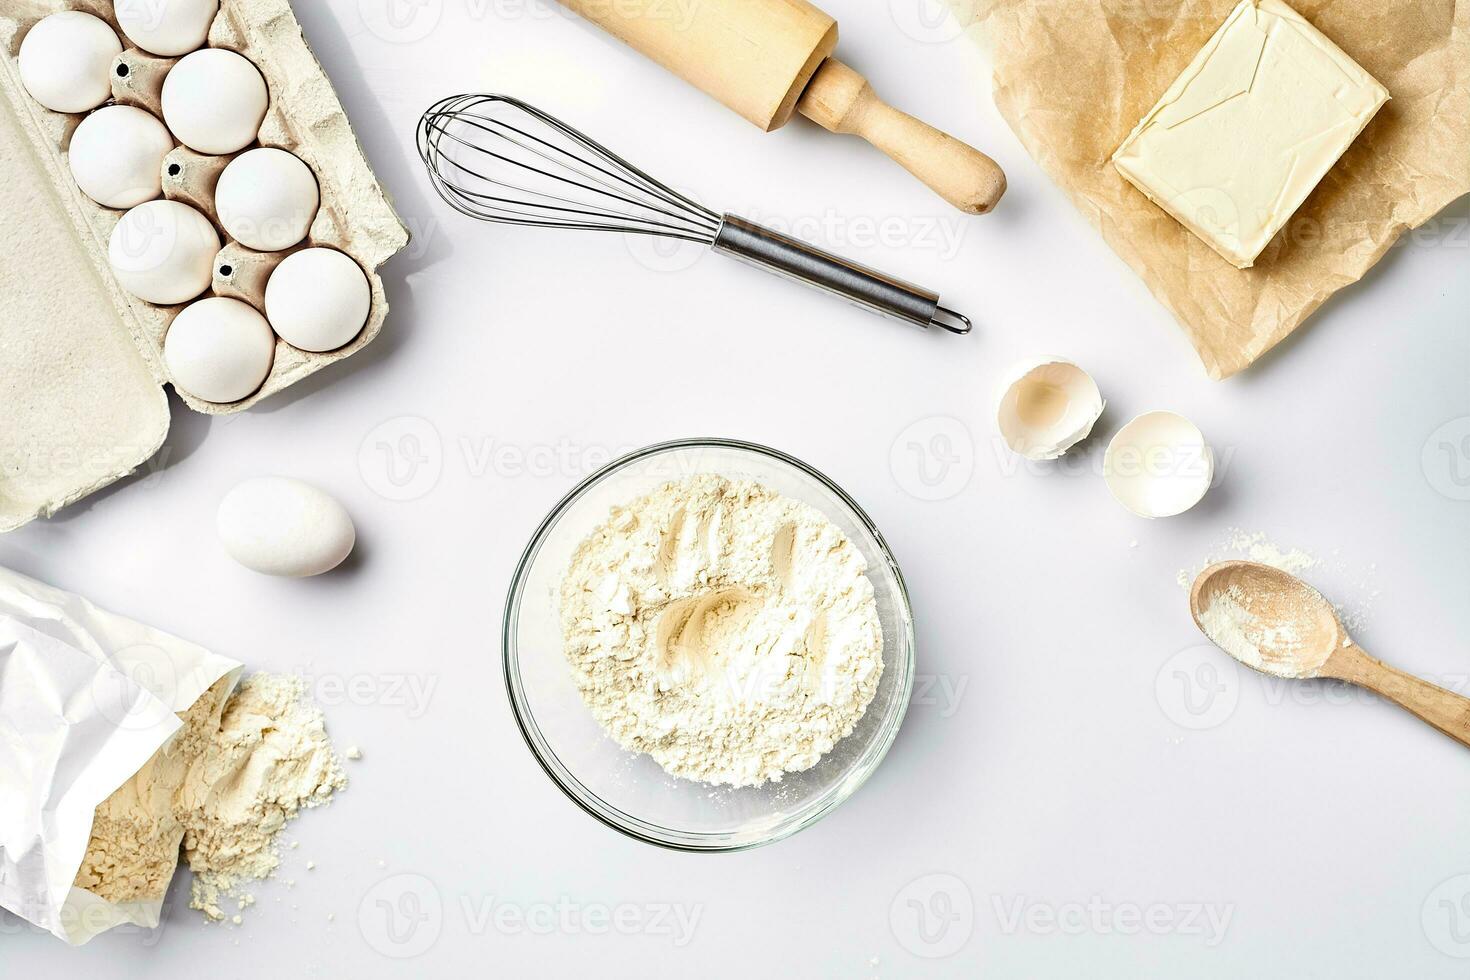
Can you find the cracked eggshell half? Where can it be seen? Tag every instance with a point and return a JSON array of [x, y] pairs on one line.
[[1049, 407], [1159, 465], [65, 61], [279, 526], [166, 27]]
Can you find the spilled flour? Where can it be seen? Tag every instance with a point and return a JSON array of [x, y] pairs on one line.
[[1258, 548], [223, 788], [1255, 546], [270, 759], [729, 632]]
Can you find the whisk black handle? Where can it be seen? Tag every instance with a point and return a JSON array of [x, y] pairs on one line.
[[868, 288]]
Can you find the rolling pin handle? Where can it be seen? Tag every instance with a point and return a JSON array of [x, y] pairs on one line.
[[840, 100]]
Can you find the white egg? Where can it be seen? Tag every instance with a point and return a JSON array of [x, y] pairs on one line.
[[214, 101], [266, 199], [116, 156], [1050, 407], [166, 27], [219, 349], [163, 252], [279, 526], [66, 61], [1158, 465], [317, 299]]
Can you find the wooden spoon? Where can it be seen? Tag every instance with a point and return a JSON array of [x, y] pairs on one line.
[[1274, 622]]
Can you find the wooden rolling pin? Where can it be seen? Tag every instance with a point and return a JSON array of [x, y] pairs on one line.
[[768, 58]]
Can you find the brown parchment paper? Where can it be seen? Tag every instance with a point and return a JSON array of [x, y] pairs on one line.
[[1072, 77]]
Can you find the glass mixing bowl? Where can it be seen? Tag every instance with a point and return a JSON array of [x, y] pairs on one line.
[[630, 792]]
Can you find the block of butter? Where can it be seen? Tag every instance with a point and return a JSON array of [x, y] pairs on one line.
[[1240, 139]]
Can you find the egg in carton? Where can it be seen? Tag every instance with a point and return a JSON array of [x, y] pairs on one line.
[[66, 359]]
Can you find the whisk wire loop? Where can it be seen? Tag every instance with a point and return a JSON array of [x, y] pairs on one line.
[[496, 158]]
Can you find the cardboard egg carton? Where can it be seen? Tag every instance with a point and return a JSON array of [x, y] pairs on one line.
[[82, 368]]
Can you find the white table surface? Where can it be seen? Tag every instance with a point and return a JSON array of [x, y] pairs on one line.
[[1084, 785]]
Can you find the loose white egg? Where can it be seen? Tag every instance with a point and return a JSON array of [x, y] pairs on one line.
[[1159, 465], [317, 299], [66, 61], [166, 27], [279, 526], [219, 349], [163, 252], [266, 199], [116, 156], [1050, 407], [214, 101]]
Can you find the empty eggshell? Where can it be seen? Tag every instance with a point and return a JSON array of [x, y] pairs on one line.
[[116, 156], [214, 101], [65, 61], [317, 299], [266, 199], [279, 526], [1050, 407], [219, 349], [1159, 465], [166, 27], [163, 252]]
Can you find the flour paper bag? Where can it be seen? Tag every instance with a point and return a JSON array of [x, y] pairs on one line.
[[86, 700]]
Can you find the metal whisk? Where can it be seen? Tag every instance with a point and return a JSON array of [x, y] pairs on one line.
[[498, 159]]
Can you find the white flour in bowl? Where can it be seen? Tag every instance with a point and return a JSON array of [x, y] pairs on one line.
[[727, 631]]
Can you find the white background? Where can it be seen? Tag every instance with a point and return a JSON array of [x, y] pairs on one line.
[[1057, 761]]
